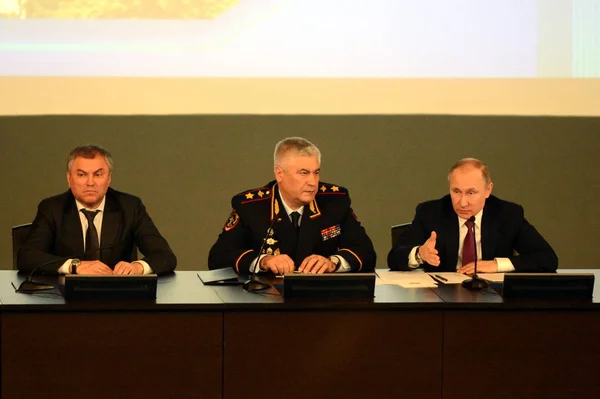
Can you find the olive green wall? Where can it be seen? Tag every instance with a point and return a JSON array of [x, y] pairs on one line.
[[186, 168]]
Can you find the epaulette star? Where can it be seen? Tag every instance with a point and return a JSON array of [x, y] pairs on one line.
[[257, 194]]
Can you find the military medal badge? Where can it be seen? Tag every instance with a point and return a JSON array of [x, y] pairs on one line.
[[331, 232]]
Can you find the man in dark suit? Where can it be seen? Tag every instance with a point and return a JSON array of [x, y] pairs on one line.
[[92, 229], [440, 237], [304, 224]]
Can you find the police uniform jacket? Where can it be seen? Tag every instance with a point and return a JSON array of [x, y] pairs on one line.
[[328, 227]]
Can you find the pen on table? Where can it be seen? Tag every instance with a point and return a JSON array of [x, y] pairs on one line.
[[437, 280], [441, 278]]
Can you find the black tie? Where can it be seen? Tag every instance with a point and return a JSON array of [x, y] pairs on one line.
[[92, 245], [295, 219]]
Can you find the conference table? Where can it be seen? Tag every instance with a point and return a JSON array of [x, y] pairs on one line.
[[197, 341]]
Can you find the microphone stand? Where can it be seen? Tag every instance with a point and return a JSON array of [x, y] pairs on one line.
[[28, 286], [253, 285], [475, 282]]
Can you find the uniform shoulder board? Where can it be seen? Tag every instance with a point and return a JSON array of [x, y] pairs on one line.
[[331, 189], [257, 194]]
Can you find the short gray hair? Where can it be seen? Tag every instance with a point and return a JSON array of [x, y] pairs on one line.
[[476, 163], [89, 152], [298, 146]]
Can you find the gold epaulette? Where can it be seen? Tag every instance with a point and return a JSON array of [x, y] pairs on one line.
[[331, 189], [257, 194]]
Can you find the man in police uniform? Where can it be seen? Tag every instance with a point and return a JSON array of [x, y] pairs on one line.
[[301, 223]]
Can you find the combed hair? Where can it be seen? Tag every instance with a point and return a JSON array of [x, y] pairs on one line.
[[298, 146], [89, 152], [476, 163]]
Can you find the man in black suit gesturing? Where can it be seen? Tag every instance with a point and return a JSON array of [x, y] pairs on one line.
[[440, 237], [305, 224], [91, 228]]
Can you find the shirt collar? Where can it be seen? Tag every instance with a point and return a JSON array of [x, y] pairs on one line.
[[478, 218], [289, 210], [100, 208]]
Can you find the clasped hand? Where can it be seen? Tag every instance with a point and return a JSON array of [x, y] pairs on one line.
[[483, 266], [283, 264], [95, 267]]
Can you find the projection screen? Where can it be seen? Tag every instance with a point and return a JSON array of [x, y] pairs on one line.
[[521, 57]]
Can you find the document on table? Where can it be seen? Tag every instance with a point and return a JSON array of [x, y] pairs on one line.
[[406, 279], [419, 279], [493, 277]]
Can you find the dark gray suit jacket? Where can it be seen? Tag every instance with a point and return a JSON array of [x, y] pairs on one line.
[[504, 230], [56, 234]]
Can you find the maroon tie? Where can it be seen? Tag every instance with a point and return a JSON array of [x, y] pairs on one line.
[[468, 252]]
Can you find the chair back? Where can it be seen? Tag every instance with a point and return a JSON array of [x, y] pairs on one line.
[[19, 234], [397, 231]]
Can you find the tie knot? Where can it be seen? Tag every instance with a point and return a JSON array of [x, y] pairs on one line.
[[469, 223], [295, 218], [90, 215]]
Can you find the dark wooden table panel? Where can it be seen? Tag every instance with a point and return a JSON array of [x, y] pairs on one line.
[[522, 354], [333, 354], [103, 355]]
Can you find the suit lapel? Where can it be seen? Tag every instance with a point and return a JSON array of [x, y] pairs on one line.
[[284, 231], [73, 228], [489, 234], [111, 224], [286, 236], [451, 240], [308, 233]]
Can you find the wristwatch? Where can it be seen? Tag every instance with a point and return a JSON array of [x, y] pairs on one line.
[[418, 257], [335, 260], [74, 263]]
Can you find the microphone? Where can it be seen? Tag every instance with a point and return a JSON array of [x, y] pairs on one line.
[[28, 286], [253, 285], [475, 282]]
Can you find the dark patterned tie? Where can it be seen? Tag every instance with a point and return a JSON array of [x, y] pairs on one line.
[[468, 252], [92, 245]]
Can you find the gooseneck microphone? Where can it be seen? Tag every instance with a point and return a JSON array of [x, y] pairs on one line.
[[28, 286], [475, 282], [253, 285]]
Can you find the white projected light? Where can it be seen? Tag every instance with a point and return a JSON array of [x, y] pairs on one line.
[[240, 43]]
